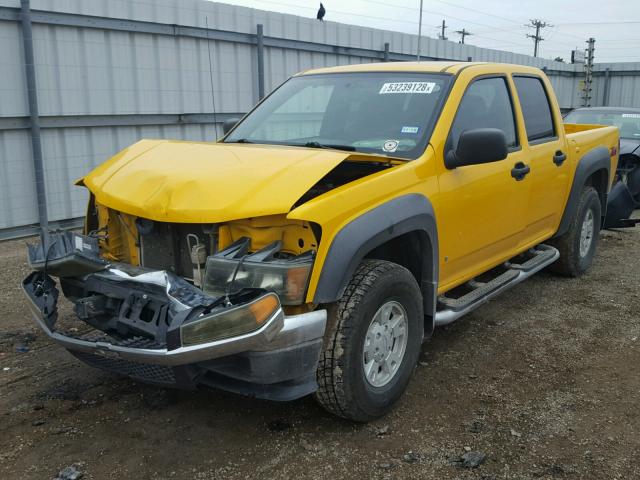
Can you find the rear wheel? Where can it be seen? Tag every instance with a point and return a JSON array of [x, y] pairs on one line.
[[377, 330], [578, 245]]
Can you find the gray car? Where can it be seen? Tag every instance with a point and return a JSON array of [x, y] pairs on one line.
[[622, 200]]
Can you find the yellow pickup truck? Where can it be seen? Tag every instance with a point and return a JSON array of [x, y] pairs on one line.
[[314, 247]]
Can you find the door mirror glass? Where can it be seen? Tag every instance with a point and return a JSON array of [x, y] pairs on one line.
[[477, 146]]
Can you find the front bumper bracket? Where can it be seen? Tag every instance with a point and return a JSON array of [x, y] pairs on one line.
[[258, 363]]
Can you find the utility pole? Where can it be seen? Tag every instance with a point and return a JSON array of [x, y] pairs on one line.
[[588, 72], [443, 28], [463, 33], [419, 31], [538, 25]]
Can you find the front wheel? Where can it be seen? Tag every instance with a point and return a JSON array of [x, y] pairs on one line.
[[377, 330], [578, 245]]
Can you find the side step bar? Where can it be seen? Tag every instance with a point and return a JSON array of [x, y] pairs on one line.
[[450, 309]]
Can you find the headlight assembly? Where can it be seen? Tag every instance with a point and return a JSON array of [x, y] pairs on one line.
[[286, 277], [230, 322]]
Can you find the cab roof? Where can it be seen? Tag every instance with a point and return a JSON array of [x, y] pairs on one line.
[[427, 67]]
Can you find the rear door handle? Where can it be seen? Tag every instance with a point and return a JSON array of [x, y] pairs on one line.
[[559, 158], [519, 171]]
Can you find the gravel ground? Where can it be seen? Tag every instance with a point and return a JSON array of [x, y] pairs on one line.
[[543, 381]]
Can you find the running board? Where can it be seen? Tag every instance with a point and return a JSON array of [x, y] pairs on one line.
[[506, 276]]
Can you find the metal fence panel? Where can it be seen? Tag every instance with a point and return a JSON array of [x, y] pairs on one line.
[[69, 153], [17, 188], [624, 92], [82, 71], [13, 93], [110, 72], [624, 84]]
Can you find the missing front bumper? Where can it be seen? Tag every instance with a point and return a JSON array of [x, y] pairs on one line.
[[148, 347]]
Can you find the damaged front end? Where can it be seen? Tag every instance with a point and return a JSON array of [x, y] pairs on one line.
[[154, 325]]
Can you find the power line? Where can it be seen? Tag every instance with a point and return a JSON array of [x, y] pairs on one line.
[[478, 11], [507, 30], [624, 22], [500, 41], [463, 33], [342, 12], [538, 25], [432, 12], [443, 27], [624, 42], [493, 29], [391, 5], [555, 31], [631, 47], [490, 28], [419, 33], [213, 96]]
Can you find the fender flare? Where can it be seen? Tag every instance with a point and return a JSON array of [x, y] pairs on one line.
[[404, 214], [591, 162]]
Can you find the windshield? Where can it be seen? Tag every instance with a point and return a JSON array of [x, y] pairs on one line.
[[627, 122], [390, 113]]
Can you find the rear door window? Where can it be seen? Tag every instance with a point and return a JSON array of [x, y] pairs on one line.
[[536, 109]]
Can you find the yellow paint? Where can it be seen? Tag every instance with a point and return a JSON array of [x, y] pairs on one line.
[[296, 235], [484, 216], [118, 236], [201, 182]]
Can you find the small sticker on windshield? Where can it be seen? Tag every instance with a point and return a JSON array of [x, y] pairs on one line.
[[390, 145], [409, 129], [631, 115], [407, 87]]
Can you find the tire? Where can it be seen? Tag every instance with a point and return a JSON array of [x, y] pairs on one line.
[[576, 260], [343, 386]]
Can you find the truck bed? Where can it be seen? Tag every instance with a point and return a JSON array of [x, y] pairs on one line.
[[591, 135], [583, 138]]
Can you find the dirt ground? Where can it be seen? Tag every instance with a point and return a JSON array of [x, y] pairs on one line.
[[544, 381]]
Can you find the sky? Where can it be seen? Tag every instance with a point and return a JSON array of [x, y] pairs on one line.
[[493, 24]]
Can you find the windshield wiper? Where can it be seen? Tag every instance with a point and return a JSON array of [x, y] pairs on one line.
[[241, 140], [348, 148]]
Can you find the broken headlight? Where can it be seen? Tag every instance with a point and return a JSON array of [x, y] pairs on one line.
[[229, 322], [233, 269]]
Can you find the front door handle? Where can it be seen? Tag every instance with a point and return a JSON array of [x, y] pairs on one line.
[[519, 171], [559, 158]]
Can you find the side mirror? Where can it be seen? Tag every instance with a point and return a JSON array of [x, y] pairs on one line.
[[480, 145], [229, 124]]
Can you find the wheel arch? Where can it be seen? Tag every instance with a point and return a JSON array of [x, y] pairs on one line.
[[402, 230], [593, 169]]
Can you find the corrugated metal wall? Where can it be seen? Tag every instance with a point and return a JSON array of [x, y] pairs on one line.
[[624, 84], [110, 72]]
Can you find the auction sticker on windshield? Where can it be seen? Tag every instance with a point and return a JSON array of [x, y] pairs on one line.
[[407, 87]]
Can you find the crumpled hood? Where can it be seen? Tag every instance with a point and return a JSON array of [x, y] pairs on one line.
[[628, 146], [199, 182]]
